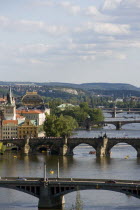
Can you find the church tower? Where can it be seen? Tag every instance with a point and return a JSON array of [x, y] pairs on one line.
[[10, 107]]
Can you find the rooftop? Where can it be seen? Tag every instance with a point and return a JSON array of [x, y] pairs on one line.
[[5, 122], [29, 112]]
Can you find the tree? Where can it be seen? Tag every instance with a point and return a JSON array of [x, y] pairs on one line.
[[50, 126], [96, 115], [59, 126], [84, 106], [65, 125]]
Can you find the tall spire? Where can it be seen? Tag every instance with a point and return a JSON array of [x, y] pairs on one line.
[[9, 96]]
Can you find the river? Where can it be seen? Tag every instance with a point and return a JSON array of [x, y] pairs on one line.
[[81, 165]]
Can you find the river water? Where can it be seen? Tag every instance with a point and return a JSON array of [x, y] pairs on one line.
[[81, 165]]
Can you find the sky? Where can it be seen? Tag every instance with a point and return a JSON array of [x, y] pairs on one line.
[[72, 41]]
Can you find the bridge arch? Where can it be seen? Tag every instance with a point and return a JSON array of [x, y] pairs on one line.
[[135, 192], [43, 147], [131, 124], [87, 147], [121, 146], [31, 190], [53, 148]]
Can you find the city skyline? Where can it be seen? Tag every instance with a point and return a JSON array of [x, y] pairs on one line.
[[70, 41]]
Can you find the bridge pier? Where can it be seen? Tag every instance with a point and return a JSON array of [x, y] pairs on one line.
[[49, 201], [26, 148], [65, 149], [102, 148], [138, 152], [114, 113], [118, 126]]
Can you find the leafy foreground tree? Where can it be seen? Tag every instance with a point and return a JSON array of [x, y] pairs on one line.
[[62, 126]]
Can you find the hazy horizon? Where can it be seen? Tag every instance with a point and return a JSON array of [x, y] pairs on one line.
[[70, 83]]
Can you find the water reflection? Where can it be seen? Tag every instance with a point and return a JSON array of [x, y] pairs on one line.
[[103, 161]]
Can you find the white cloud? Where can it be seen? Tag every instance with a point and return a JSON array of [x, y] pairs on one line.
[[36, 61], [109, 28], [121, 4], [56, 30], [29, 25], [124, 44], [81, 46], [43, 2], [120, 56], [34, 49], [32, 26], [74, 9], [4, 21], [87, 58], [92, 10], [130, 3], [40, 26], [111, 4]]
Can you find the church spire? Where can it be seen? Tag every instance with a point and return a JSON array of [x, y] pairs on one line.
[[9, 97]]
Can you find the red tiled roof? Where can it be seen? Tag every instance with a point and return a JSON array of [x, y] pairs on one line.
[[29, 112], [2, 99], [4, 122]]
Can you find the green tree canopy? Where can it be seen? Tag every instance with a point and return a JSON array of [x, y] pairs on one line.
[[96, 115], [59, 126], [81, 113]]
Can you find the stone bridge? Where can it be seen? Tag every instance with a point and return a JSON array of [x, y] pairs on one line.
[[119, 123], [59, 146], [114, 111], [51, 191]]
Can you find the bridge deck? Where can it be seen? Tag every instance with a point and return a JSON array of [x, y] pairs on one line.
[[36, 180]]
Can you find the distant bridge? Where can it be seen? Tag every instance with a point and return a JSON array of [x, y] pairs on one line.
[[51, 191], [114, 111], [119, 123], [60, 146]]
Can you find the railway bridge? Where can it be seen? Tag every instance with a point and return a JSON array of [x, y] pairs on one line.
[[50, 192]]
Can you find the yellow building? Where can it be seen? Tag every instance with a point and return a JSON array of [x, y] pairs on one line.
[[28, 128]]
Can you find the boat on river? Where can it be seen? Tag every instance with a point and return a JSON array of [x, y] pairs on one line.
[[126, 157], [92, 152]]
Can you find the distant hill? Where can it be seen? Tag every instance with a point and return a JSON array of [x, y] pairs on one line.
[[95, 86], [99, 86], [109, 86], [68, 90]]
